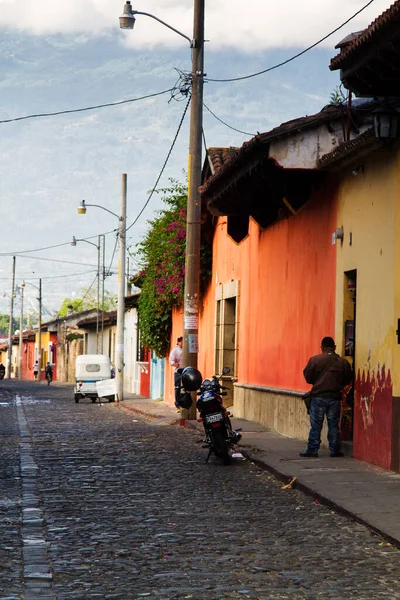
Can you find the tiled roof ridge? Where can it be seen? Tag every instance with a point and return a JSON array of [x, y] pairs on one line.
[[366, 35], [346, 148]]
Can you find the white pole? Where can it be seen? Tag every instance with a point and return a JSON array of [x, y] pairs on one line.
[[119, 342], [21, 328]]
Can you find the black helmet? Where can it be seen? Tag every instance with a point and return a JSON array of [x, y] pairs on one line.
[[191, 379]]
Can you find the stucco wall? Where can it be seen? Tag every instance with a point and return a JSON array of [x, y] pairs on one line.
[[287, 300], [367, 210]]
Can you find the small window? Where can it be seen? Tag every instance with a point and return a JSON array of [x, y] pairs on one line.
[[93, 368]]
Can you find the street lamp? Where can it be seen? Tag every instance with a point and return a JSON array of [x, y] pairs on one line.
[[100, 282], [21, 328], [119, 341], [193, 219]]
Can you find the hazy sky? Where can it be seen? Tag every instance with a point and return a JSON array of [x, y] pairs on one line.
[[57, 56]]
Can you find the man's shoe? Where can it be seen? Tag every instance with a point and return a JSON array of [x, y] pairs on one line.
[[337, 454], [308, 454]]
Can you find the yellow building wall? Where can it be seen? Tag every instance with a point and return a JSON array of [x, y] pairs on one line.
[[44, 343], [368, 212]]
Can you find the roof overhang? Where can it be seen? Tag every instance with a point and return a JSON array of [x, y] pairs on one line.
[[370, 64], [351, 153]]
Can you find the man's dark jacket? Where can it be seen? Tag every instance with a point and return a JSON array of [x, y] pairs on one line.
[[333, 380]]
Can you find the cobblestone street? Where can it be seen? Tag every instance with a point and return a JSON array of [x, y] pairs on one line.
[[98, 503]]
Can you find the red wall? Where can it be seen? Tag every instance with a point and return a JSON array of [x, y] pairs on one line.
[[28, 359], [145, 376], [373, 417], [287, 294]]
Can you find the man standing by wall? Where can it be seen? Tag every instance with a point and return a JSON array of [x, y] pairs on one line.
[[175, 359], [329, 374]]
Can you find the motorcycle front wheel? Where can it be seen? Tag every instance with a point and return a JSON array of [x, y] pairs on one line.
[[221, 447]]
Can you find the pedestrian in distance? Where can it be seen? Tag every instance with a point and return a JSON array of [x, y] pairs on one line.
[[35, 370], [175, 360], [2, 370], [49, 373], [328, 373]]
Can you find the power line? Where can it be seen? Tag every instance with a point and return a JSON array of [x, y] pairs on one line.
[[61, 276], [77, 110], [67, 262], [226, 124], [164, 165], [285, 62], [35, 249], [113, 254]]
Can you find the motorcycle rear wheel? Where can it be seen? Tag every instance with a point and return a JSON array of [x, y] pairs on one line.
[[221, 446]]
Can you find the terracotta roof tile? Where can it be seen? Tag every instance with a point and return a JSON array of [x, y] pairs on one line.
[[373, 32], [219, 156], [351, 151]]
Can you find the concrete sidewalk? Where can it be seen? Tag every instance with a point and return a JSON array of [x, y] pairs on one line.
[[366, 493]]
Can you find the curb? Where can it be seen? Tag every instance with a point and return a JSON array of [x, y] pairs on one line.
[[308, 491]]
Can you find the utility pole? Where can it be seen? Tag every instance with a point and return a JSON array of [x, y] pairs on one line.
[[119, 341], [21, 328], [98, 298], [102, 243], [10, 329], [193, 221], [39, 358]]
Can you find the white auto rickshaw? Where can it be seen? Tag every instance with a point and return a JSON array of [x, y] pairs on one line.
[[89, 369]]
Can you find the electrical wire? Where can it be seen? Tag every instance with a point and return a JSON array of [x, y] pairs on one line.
[[164, 165], [60, 276], [113, 254], [35, 249], [87, 108], [88, 290], [226, 124], [285, 62], [67, 262]]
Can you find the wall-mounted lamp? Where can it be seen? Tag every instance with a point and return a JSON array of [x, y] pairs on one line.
[[338, 234], [386, 121]]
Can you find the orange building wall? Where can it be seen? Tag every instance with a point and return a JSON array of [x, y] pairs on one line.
[[287, 295]]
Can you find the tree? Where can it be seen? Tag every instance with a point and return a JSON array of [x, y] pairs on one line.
[[87, 301], [5, 323], [161, 256]]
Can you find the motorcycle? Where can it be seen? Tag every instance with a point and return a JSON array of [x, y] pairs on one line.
[[220, 438]]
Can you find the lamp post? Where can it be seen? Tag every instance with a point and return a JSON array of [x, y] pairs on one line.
[[119, 341], [100, 287], [193, 219], [21, 328]]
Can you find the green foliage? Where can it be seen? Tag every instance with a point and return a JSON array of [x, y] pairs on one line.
[[87, 301], [161, 255], [337, 97], [5, 323]]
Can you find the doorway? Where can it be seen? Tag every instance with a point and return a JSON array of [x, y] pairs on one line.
[[226, 350], [349, 351]]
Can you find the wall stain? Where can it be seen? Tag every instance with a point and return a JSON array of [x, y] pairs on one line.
[[373, 393]]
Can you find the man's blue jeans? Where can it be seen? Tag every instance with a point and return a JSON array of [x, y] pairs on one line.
[[177, 386], [319, 408]]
